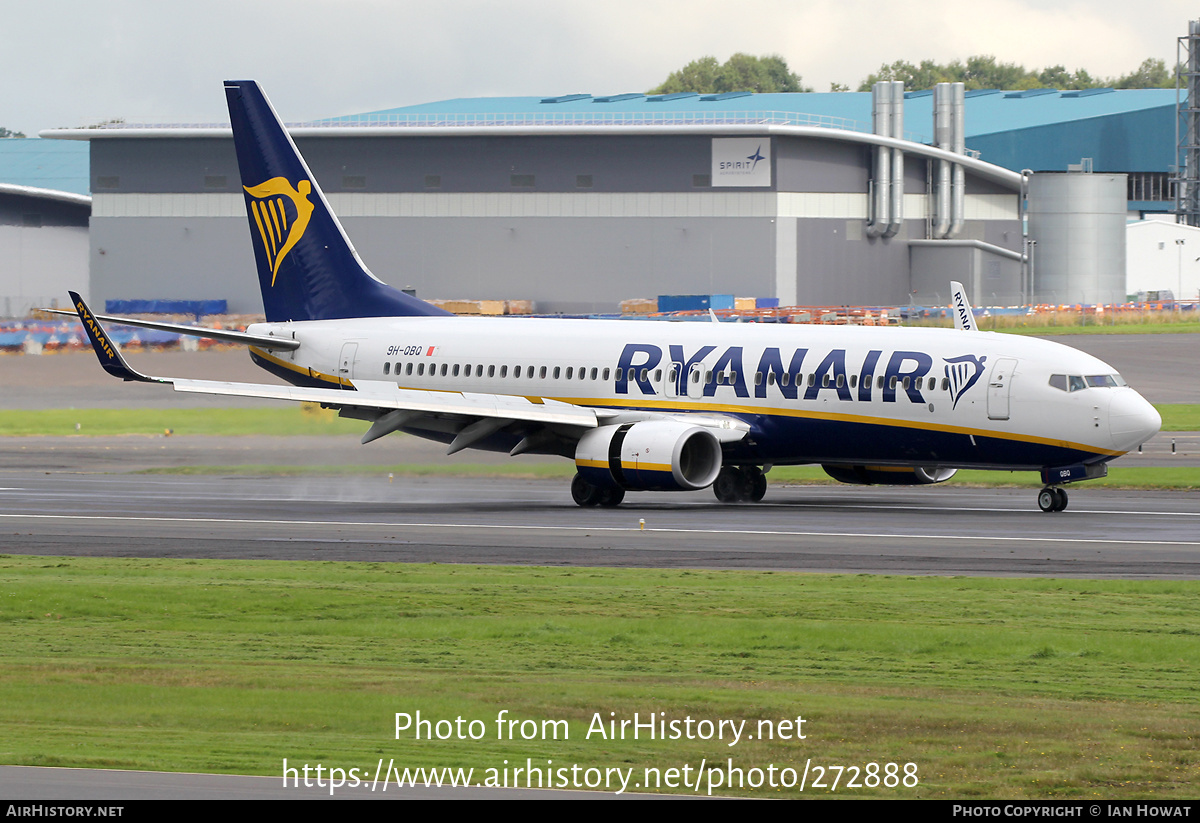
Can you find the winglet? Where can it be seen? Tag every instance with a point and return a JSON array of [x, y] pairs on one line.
[[106, 350], [964, 320]]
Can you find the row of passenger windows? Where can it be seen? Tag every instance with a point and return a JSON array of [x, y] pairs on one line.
[[458, 370], [1077, 382], [584, 373]]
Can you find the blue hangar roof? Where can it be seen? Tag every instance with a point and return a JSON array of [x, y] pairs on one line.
[[61, 165], [1125, 130]]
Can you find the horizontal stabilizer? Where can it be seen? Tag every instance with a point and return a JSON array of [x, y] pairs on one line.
[[227, 335]]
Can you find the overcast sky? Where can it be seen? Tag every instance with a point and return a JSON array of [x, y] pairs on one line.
[[75, 62]]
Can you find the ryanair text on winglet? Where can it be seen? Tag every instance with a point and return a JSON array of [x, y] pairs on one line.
[[95, 331]]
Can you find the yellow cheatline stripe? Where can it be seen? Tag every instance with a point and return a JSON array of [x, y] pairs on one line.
[[663, 405], [626, 466], [307, 372], [537, 401], [402, 387], [646, 467]]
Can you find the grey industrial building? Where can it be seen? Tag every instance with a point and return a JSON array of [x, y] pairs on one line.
[[578, 202], [43, 247]]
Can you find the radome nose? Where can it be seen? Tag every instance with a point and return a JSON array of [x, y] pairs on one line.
[[1131, 420]]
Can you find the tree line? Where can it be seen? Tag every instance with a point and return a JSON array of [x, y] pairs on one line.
[[770, 73]]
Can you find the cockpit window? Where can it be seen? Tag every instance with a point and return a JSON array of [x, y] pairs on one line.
[[1077, 382]]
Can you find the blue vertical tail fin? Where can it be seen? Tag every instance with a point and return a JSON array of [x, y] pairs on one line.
[[307, 267]]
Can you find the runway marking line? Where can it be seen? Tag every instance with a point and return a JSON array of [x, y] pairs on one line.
[[620, 529], [775, 505]]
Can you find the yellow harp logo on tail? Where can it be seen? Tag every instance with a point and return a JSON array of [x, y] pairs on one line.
[[281, 214]]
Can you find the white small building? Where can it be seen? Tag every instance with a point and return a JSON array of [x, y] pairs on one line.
[[1162, 254]]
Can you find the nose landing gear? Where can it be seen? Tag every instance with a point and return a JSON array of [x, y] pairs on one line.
[[1052, 499]]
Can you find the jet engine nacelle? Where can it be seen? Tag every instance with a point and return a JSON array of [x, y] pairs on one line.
[[888, 475], [653, 455]]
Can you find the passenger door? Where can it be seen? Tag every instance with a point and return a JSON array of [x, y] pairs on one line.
[[998, 388], [672, 383], [346, 361]]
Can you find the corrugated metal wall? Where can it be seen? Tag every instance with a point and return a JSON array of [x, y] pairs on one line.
[[607, 218]]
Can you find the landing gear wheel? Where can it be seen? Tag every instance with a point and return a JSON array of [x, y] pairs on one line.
[[1047, 500], [727, 484], [758, 486], [744, 484], [1052, 500], [611, 497], [584, 493]]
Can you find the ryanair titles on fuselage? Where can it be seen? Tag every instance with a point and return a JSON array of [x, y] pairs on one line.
[[899, 371]]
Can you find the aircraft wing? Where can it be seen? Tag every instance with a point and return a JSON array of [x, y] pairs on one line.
[[390, 408], [372, 394]]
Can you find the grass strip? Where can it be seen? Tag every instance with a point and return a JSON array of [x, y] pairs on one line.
[[1183, 478], [1148, 328], [284, 420], [1135, 477], [1119, 477], [994, 688], [1071, 323], [1179, 417], [516, 469]]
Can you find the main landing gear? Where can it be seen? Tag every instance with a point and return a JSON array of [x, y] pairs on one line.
[[735, 484], [585, 494], [740, 484], [1052, 499]]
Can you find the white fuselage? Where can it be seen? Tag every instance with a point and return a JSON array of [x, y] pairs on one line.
[[827, 394]]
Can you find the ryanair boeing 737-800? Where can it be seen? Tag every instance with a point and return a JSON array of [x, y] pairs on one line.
[[640, 405]]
